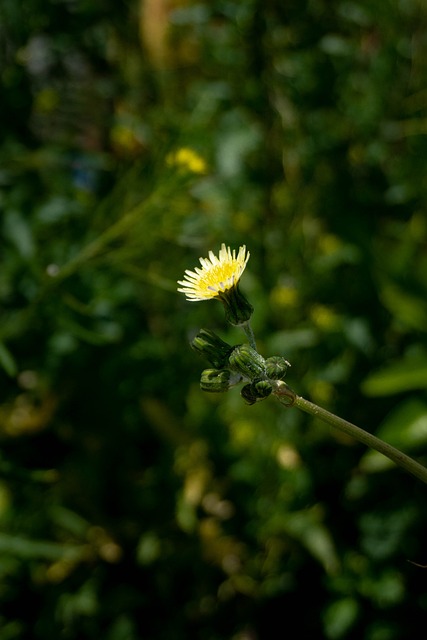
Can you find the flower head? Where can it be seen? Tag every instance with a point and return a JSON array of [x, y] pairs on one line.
[[217, 275], [219, 278]]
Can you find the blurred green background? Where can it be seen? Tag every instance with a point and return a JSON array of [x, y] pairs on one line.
[[134, 138]]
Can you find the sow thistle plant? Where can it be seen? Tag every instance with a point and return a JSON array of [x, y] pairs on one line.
[[219, 278]]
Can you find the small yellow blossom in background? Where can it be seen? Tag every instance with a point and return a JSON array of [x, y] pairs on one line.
[[186, 158], [284, 296], [217, 275], [324, 317]]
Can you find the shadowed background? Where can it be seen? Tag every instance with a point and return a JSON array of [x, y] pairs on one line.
[[134, 138]]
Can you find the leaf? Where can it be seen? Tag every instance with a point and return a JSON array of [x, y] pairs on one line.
[[7, 361], [307, 527], [340, 616], [405, 428], [404, 375], [408, 309], [39, 549], [406, 425]]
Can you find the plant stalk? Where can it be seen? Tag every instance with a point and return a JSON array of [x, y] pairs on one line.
[[247, 328], [290, 398]]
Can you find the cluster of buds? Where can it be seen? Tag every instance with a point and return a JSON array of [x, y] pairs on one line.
[[218, 278], [233, 365]]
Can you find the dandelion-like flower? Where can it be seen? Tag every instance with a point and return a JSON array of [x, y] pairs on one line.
[[219, 278]]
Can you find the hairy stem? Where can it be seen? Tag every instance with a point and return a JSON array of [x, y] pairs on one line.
[[290, 398], [249, 334]]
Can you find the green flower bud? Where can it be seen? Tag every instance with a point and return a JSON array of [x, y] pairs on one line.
[[276, 367], [247, 362], [248, 395], [215, 380], [210, 346], [255, 391], [262, 388]]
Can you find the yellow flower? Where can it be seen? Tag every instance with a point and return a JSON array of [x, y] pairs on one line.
[[217, 275], [188, 159], [219, 278]]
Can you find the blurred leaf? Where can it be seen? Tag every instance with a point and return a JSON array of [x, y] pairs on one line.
[[405, 375], [69, 521], [122, 629], [83, 602], [11, 630], [405, 428], [19, 232], [237, 139], [27, 548], [381, 530], [149, 548], [339, 617], [408, 309], [406, 425], [285, 342], [7, 361], [307, 527], [384, 590]]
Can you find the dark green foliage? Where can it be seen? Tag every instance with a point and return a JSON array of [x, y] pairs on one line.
[[132, 504]]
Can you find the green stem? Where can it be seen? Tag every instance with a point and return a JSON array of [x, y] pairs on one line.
[[249, 333], [399, 458], [289, 398]]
